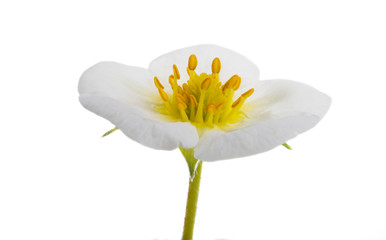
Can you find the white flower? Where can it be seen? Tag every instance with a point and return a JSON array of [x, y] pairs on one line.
[[214, 112]]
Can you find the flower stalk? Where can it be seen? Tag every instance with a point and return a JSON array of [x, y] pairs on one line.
[[195, 167]]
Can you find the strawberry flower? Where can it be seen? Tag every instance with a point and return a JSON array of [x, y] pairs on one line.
[[217, 109], [206, 98]]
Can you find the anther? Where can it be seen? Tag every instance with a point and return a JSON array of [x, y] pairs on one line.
[[157, 83], [181, 105], [220, 105], [211, 108], [186, 87], [193, 105], [206, 84], [248, 93], [163, 94], [237, 102], [237, 83], [180, 98], [193, 100], [219, 109], [216, 65], [231, 82], [186, 96], [179, 89], [176, 72], [215, 104], [225, 86], [192, 62], [171, 80]]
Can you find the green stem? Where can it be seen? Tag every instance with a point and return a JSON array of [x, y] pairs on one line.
[[195, 167]]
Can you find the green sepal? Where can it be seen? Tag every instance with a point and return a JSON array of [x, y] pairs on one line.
[[110, 131], [188, 153], [287, 146]]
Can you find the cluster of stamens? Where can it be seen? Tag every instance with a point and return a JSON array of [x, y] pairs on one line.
[[203, 99]]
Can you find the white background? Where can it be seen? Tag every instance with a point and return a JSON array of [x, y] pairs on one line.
[[60, 180]]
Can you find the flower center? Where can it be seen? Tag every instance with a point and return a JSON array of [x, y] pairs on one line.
[[203, 100]]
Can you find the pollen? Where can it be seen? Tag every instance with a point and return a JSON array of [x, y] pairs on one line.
[[206, 84], [216, 65], [193, 100], [163, 94], [192, 62], [157, 83], [176, 72], [248, 93], [203, 99]]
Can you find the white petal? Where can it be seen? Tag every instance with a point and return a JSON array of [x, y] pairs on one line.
[[138, 125], [231, 63], [280, 111], [126, 97], [118, 81], [288, 98]]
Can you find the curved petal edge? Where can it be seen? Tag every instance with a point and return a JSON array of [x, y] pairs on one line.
[[281, 110], [135, 124]]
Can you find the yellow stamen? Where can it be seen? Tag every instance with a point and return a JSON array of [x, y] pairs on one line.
[[237, 83], [180, 98], [173, 83], [220, 105], [228, 93], [211, 108], [206, 84], [186, 96], [215, 105], [209, 119], [163, 94], [236, 103], [225, 86], [157, 83], [181, 105], [176, 72], [219, 108], [242, 98], [200, 108], [184, 116], [248, 93], [192, 62], [179, 89], [239, 102], [216, 65], [186, 87], [193, 105], [171, 80], [231, 82], [193, 100]]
